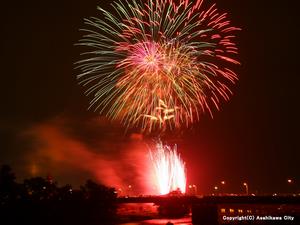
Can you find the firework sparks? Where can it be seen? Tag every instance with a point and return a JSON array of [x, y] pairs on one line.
[[170, 173], [158, 64]]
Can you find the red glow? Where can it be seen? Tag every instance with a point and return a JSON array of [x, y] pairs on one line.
[[170, 173]]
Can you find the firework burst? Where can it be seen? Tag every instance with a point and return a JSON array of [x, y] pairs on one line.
[[158, 64], [170, 172]]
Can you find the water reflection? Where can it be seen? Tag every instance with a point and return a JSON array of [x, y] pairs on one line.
[[181, 221]]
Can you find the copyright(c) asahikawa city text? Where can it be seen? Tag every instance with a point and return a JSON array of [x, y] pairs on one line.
[[262, 218]]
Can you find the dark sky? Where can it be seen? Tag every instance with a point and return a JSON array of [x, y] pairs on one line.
[[45, 127]]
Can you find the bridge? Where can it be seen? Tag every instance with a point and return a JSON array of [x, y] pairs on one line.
[[209, 210], [186, 199]]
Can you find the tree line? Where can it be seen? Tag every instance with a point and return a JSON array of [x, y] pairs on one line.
[[41, 201]]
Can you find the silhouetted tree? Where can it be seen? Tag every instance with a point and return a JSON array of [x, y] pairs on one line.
[[7, 177], [65, 192], [100, 201], [8, 186], [40, 201], [40, 189]]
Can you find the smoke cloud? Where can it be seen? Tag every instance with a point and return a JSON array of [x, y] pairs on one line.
[[72, 151]]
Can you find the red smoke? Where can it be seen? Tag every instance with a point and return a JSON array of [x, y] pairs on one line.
[[112, 161]]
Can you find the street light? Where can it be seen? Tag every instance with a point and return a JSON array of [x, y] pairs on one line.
[[216, 188], [195, 189], [290, 182], [223, 186], [247, 188], [129, 189], [190, 189]]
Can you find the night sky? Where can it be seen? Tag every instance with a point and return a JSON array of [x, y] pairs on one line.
[[45, 127]]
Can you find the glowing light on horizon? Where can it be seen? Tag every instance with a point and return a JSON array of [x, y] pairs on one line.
[[169, 168]]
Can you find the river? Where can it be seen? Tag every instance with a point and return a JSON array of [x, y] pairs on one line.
[[181, 221]]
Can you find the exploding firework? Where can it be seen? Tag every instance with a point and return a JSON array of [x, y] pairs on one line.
[[158, 64], [170, 173]]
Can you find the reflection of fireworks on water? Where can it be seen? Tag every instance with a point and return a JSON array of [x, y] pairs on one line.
[[170, 174], [158, 63]]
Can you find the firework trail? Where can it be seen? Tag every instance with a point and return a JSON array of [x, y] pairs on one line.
[[158, 64], [170, 172]]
